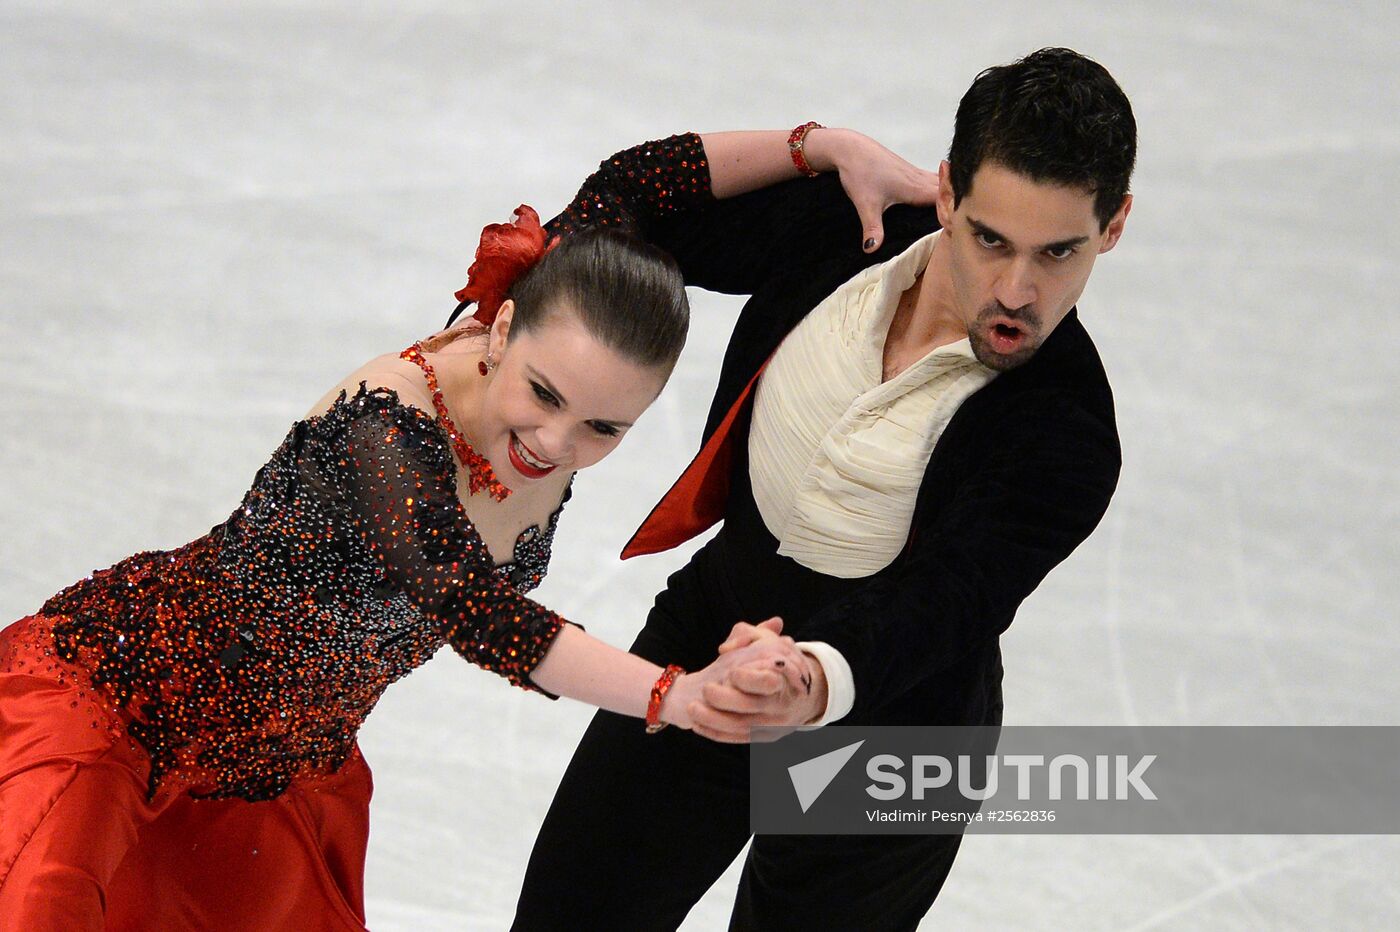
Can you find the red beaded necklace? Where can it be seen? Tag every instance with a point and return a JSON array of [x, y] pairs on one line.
[[479, 472]]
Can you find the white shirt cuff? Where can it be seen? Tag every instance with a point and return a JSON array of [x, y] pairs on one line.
[[840, 684]]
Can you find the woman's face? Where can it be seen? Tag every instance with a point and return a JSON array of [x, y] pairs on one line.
[[558, 398]]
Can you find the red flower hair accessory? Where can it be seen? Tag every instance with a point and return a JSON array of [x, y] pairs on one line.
[[506, 251]]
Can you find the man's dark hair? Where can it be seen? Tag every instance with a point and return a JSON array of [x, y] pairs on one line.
[[1054, 116], [627, 293]]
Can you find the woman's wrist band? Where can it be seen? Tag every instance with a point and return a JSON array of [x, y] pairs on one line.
[[795, 141], [658, 692]]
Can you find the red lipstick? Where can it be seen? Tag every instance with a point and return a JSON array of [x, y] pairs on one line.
[[521, 466]]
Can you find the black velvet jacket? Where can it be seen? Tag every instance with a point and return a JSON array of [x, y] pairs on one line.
[[1021, 475]]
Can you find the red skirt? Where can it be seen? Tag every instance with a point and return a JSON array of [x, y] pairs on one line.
[[82, 848]]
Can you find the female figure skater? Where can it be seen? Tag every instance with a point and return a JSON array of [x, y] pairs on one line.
[[177, 732]]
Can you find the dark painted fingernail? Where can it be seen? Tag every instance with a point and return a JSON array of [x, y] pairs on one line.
[[869, 244]]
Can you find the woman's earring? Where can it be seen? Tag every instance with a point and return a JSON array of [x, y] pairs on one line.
[[486, 365]]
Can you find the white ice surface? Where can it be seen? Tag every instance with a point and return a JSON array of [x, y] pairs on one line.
[[210, 212]]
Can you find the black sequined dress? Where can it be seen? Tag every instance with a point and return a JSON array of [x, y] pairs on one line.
[[250, 657]]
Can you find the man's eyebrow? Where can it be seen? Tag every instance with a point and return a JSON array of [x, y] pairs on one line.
[[543, 380], [1072, 243]]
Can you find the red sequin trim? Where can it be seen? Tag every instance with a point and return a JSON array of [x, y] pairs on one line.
[[480, 475], [796, 139]]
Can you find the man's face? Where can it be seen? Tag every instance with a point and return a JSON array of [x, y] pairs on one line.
[[1020, 253]]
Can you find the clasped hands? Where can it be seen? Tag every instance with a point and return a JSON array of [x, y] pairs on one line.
[[760, 678]]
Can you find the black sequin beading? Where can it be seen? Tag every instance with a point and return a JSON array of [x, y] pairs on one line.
[[658, 177], [251, 656]]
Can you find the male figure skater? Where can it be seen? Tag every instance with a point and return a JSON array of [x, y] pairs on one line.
[[905, 439]]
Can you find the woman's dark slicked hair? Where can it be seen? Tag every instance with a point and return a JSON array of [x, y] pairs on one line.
[[1053, 116], [626, 292]]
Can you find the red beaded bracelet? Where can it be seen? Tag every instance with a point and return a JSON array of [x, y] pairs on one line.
[[795, 140], [658, 692]]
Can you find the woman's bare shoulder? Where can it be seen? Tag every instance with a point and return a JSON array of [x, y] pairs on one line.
[[387, 371]]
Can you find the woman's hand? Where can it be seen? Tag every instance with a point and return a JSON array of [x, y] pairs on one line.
[[743, 634], [754, 678], [745, 680], [873, 176]]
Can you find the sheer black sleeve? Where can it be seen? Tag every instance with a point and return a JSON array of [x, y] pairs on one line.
[[400, 484], [639, 185]]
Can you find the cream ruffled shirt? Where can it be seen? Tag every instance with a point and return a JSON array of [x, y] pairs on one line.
[[836, 455]]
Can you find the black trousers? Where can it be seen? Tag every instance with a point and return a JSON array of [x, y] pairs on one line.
[[642, 825]]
